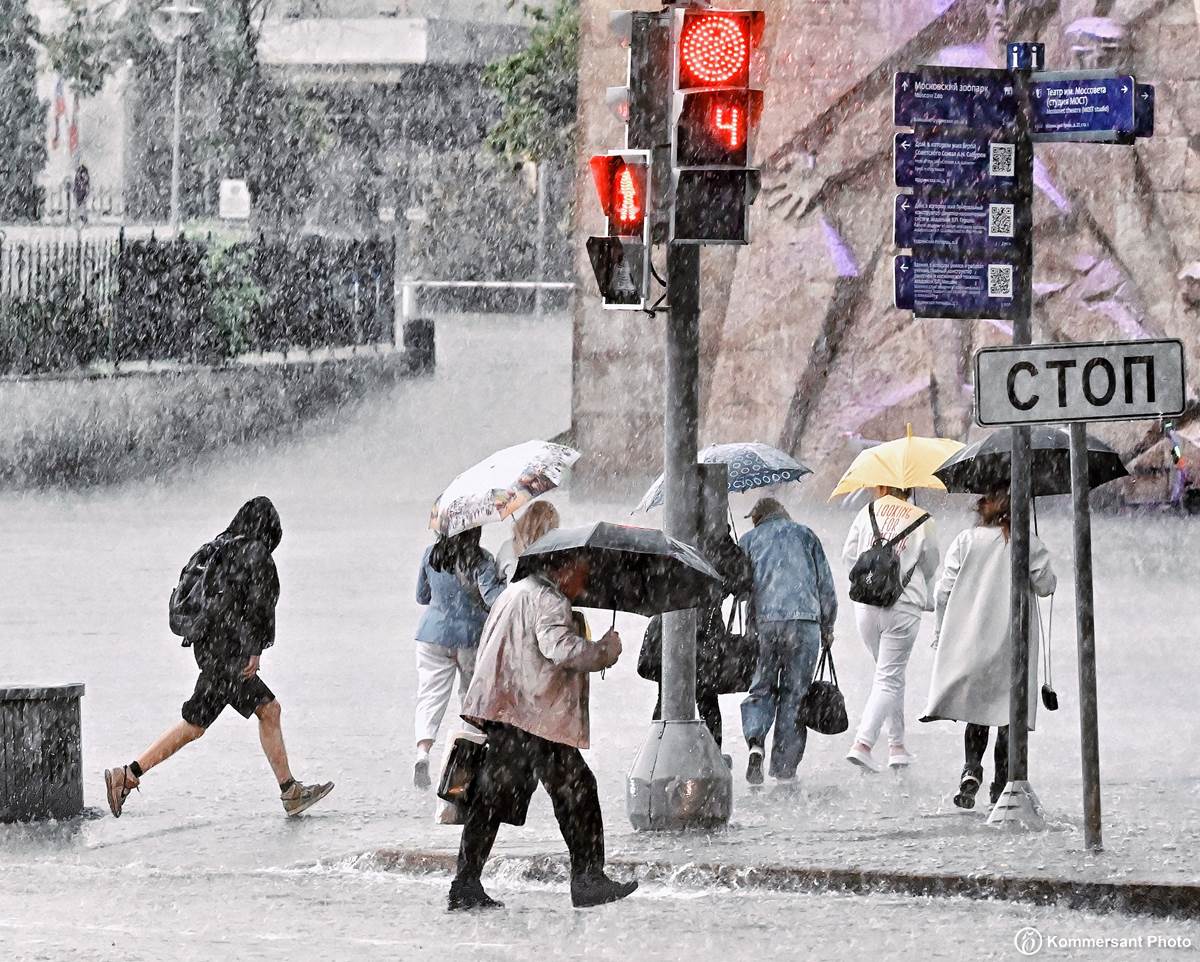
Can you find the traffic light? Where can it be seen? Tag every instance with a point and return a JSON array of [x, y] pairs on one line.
[[621, 258], [715, 116], [642, 104]]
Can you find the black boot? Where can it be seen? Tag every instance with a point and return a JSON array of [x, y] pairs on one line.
[[995, 790], [598, 889], [467, 894], [968, 786]]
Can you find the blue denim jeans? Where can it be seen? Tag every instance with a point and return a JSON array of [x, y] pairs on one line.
[[787, 657]]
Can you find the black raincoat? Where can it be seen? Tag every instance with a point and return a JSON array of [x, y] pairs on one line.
[[242, 589]]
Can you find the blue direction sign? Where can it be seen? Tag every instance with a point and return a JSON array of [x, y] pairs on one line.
[[1143, 110], [958, 223], [968, 159], [970, 287], [1082, 105], [955, 96]]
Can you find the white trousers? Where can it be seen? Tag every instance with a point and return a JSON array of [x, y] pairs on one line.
[[889, 634], [436, 668]]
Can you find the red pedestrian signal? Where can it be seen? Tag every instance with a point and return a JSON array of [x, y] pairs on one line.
[[621, 257], [622, 185]]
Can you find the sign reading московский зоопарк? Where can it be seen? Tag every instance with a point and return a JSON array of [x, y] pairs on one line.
[[955, 96]]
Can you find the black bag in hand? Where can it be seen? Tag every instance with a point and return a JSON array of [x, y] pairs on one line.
[[726, 659], [649, 663], [823, 708]]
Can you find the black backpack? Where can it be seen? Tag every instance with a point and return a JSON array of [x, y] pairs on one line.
[[875, 578], [196, 598]]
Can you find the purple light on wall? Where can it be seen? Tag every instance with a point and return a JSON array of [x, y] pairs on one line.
[[839, 251], [1041, 178]]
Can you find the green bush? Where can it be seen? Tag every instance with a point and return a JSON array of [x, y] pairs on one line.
[[234, 297]]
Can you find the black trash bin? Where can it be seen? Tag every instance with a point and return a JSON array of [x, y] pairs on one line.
[[41, 753], [419, 345]]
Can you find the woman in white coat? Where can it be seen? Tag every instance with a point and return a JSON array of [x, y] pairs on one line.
[[972, 667]]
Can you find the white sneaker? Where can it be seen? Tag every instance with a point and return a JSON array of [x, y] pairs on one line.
[[857, 756], [754, 767], [901, 759], [421, 771]]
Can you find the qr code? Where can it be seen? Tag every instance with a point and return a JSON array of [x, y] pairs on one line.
[[1000, 280], [1000, 220], [1002, 160]]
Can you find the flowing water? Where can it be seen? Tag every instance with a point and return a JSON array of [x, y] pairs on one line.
[[204, 864]]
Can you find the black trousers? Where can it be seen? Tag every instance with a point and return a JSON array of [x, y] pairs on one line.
[[515, 761], [708, 706], [975, 741]]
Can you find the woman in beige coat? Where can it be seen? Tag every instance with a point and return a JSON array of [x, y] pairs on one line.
[[530, 695], [972, 668]]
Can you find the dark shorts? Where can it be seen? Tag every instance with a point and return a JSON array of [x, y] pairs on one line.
[[216, 689]]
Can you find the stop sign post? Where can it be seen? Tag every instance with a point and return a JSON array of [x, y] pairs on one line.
[[1076, 384]]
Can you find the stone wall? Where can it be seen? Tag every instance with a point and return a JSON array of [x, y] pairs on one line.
[[802, 346]]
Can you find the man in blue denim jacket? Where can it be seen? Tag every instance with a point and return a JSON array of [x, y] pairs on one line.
[[794, 606]]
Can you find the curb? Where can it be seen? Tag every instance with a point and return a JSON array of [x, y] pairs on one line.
[[1134, 898]]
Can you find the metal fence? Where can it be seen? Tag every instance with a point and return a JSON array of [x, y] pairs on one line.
[[56, 302], [70, 305]]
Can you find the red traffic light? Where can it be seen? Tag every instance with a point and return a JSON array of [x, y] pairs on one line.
[[715, 48], [621, 183]]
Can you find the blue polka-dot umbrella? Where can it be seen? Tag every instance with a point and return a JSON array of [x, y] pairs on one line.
[[751, 465]]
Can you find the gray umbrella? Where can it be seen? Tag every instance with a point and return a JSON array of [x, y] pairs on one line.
[[631, 568]]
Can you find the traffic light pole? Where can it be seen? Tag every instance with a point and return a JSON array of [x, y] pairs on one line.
[[681, 487], [679, 779]]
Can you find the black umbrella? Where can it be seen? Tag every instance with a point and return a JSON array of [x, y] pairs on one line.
[[631, 568], [986, 465]]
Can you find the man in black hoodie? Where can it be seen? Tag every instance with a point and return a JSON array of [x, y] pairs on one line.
[[225, 609]]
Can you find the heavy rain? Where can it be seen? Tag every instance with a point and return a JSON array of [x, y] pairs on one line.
[[486, 479]]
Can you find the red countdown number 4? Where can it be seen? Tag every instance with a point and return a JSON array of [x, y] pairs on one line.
[[727, 121]]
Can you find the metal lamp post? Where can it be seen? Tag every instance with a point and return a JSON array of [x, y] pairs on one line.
[[171, 24]]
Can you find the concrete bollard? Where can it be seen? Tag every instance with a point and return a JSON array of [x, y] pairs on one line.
[[419, 346], [41, 753]]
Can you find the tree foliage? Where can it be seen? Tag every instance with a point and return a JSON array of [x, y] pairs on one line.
[[22, 114], [537, 88], [240, 123], [80, 53]]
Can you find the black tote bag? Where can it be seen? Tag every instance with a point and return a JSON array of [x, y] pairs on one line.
[[823, 708]]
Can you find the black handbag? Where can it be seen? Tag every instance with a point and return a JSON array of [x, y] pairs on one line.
[[727, 659], [461, 767], [1049, 695], [823, 708], [649, 663]]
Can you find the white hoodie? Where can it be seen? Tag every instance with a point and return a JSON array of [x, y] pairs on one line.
[[918, 551]]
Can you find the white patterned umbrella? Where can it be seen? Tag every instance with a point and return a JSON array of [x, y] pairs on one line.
[[751, 465], [500, 485]]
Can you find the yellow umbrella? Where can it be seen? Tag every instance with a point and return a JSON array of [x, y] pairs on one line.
[[906, 463]]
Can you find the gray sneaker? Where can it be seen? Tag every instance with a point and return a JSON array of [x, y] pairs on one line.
[[300, 798]]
